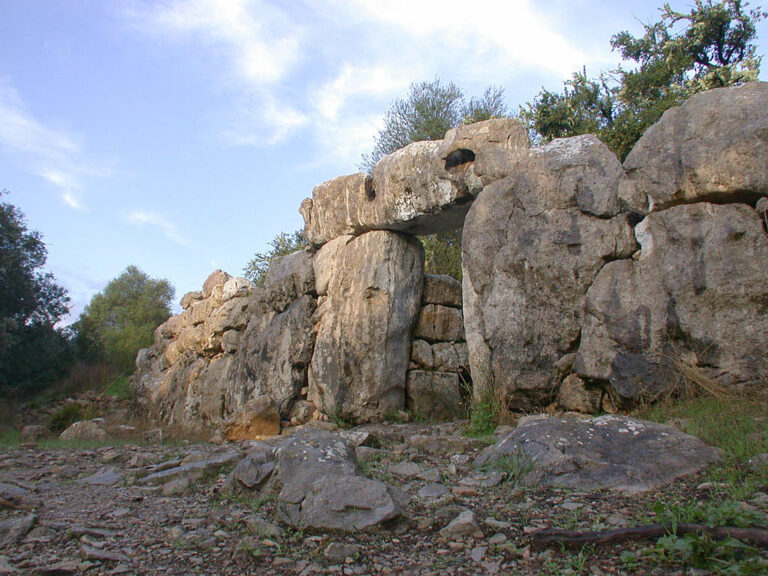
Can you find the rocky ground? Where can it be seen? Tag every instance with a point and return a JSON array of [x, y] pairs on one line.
[[169, 509]]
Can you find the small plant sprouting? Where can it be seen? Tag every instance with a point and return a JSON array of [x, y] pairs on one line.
[[484, 416], [514, 466]]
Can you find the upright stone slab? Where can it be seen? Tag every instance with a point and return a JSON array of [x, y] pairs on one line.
[[695, 299], [364, 325], [532, 244]]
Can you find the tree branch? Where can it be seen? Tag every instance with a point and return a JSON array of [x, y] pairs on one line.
[[576, 539]]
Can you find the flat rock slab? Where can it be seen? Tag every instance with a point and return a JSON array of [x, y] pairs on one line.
[[613, 452], [108, 477], [13, 530], [192, 469]]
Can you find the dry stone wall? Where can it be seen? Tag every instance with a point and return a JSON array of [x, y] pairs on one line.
[[438, 381], [585, 282]]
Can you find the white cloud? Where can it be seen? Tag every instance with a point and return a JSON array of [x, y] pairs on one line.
[[328, 70], [487, 33], [139, 218], [259, 41], [50, 154], [353, 82]]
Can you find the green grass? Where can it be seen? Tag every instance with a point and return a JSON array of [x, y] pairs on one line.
[[739, 427], [119, 387], [513, 466], [483, 416], [10, 438]]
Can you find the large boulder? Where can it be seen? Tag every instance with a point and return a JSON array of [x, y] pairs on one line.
[[712, 148], [694, 299], [423, 188], [532, 245], [612, 452], [273, 356], [313, 475], [364, 324]]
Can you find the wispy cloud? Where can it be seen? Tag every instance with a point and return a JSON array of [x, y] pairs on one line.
[[260, 41], [139, 218], [327, 70], [53, 155], [488, 35]]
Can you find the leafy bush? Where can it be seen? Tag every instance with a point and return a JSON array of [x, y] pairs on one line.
[[68, 415]]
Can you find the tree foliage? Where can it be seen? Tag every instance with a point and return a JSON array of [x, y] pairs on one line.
[[33, 352], [281, 245], [712, 46], [428, 111], [121, 319]]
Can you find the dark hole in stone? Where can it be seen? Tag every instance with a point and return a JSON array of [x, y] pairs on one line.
[[459, 157], [370, 193], [634, 218]]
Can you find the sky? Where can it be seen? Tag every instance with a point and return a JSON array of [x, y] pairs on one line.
[[181, 136]]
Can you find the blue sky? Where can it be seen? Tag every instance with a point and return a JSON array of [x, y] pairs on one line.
[[182, 135]]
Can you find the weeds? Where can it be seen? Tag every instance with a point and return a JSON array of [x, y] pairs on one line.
[[484, 416], [68, 415], [514, 466]]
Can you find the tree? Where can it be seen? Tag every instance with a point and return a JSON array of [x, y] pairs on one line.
[[282, 245], [712, 46], [121, 319], [34, 353], [427, 113]]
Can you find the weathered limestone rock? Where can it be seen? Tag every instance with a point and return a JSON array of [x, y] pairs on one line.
[[533, 243], [257, 419], [88, 430], [713, 148], [233, 342], [439, 323], [289, 278], [441, 289], [274, 355], [611, 452], [423, 188], [363, 326], [444, 356], [217, 279], [696, 297], [313, 474], [326, 261], [463, 526], [34, 433], [438, 379], [435, 395], [484, 151], [575, 396]]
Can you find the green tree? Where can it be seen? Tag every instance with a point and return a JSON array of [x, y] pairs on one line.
[[428, 111], [281, 245], [121, 319], [712, 46], [33, 353]]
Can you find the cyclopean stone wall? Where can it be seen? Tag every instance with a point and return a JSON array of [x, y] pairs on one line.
[[585, 282]]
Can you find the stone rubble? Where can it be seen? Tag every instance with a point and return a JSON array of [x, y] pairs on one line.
[[253, 509]]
